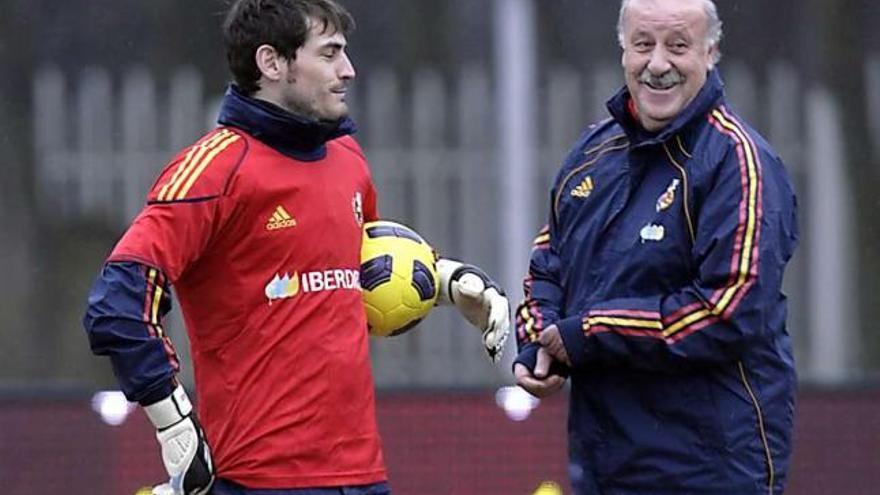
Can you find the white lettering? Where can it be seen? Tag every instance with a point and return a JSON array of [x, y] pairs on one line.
[[317, 282]]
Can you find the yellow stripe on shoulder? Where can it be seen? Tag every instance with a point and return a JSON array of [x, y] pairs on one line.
[[203, 164], [196, 151]]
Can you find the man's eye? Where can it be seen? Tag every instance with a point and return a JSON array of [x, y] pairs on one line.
[[678, 46]]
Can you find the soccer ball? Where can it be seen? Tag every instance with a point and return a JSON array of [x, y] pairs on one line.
[[398, 277]]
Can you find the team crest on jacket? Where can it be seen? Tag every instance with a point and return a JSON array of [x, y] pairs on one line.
[[668, 197], [357, 205]]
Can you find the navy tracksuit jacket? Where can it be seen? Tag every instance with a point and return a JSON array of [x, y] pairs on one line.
[[662, 266]]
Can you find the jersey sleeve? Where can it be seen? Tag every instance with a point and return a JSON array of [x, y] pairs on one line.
[[185, 207], [542, 287], [132, 294], [124, 320], [746, 232], [543, 293]]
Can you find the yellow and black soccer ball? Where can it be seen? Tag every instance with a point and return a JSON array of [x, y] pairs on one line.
[[398, 277]]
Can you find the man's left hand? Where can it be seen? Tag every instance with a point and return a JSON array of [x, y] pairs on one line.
[[479, 299], [540, 382], [551, 340]]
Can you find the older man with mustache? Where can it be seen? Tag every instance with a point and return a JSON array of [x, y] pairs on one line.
[[656, 285]]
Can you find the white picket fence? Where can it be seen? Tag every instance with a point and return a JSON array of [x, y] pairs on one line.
[[100, 140]]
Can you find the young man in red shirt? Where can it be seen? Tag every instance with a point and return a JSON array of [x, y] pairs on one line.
[[279, 191]]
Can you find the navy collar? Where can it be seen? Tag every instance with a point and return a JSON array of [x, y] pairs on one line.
[[298, 137], [710, 95]]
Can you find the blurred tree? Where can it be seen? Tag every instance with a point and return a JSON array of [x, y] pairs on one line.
[[19, 346], [843, 43]]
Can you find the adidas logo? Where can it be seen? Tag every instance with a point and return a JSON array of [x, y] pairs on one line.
[[280, 219], [583, 189]]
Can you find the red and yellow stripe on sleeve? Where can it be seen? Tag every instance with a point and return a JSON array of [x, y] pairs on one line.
[[152, 316], [194, 163], [529, 320], [743, 262], [542, 241]]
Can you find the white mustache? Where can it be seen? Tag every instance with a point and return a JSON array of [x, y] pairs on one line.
[[665, 80]]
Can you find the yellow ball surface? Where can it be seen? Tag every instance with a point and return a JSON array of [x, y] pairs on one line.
[[548, 488], [398, 277]]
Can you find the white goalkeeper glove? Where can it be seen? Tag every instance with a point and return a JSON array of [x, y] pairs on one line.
[[163, 489], [185, 452], [479, 299]]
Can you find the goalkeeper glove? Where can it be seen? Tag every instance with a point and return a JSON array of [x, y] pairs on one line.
[[163, 489], [479, 299], [185, 452]]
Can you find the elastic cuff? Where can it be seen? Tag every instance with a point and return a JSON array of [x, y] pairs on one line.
[[158, 393], [576, 343], [446, 268], [528, 356]]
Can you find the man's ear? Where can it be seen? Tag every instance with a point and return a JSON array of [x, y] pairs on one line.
[[713, 56], [269, 61]]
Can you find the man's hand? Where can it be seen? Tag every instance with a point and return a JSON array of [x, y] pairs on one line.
[[185, 452], [551, 340], [541, 383], [479, 299]]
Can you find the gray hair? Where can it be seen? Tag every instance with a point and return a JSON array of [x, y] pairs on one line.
[[713, 31]]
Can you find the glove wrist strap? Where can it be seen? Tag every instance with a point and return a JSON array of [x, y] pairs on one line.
[[446, 269], [170, 410]]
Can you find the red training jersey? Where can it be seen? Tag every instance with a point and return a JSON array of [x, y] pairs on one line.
[[264, 253]]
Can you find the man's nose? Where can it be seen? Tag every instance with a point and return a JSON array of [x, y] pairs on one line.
[[659, 62], [346, 70]]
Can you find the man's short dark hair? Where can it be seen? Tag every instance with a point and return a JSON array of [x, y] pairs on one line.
[[283, 24]]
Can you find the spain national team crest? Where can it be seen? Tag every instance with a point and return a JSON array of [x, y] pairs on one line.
[[668, 197], [357, 205]]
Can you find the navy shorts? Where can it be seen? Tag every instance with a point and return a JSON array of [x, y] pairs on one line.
[[223, 487]]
